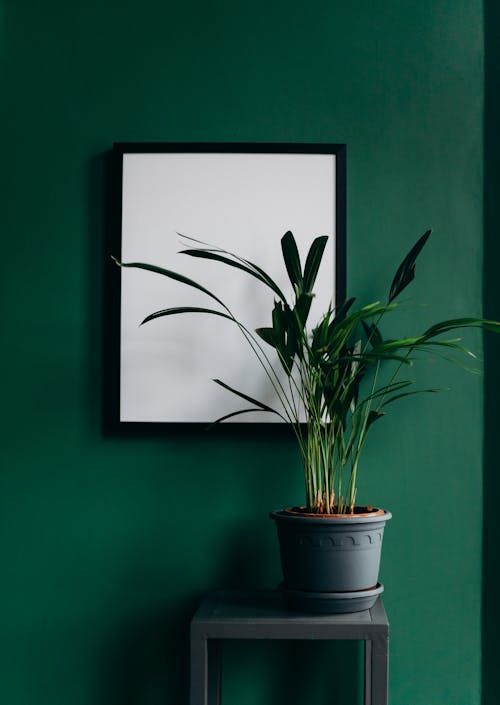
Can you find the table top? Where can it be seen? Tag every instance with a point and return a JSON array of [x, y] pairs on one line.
[[263, 614]]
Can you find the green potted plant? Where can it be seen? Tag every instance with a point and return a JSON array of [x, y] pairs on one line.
[[343, 374]]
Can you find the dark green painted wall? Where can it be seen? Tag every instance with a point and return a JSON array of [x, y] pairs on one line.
[[491, 289], [99, 575]]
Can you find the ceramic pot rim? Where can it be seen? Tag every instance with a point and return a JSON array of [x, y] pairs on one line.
[[300, 511], [295, 514]]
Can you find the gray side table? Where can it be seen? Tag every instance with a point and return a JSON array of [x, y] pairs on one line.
[[262, 615]]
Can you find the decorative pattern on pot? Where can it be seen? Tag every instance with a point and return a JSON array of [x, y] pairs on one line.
[[349, 543]]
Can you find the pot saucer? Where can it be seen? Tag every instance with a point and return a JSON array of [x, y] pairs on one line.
[[331, 602]]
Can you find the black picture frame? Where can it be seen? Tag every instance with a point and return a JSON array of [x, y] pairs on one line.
[[123, 156]]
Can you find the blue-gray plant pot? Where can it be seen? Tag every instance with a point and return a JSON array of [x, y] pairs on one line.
[[330, 554]]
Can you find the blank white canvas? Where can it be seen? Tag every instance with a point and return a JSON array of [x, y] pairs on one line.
[[243, 203]]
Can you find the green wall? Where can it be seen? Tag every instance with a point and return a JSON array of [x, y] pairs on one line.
[[107, 543], [491, 290]]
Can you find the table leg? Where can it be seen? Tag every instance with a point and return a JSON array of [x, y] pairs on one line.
[[368, 673], [205, 669], [214, 671], [376, 671], [198, 668]]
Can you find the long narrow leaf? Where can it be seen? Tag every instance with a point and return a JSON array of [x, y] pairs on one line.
[[386, 389], [409, 394], [447, 344], [185, 309], [454, 323], [285, 344], [302, 307], [234, 413], [260, 404], [207, 254], [372, 333], [269, 336], [406, 270], [292, 260], [254, 267], [398, 344], [372, 417], [313, 261], [339, 335], [320, 333], [323, 333], [375, 357], [372, 310], [342, 310], [171, 275], [391, 387]]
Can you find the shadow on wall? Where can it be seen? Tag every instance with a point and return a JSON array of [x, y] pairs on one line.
[[102, 323], [147, 659], [491, 297]]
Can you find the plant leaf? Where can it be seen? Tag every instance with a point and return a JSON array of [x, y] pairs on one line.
[[260, 404], [398, 344], [339, 333], [387, 389], [268, 335], [279, 323], [454, 323], [373, 416], [185, 309], [171, 275], [372, 333], [324, 331], [265, 277], [313, 261], [292, 260], [408, 394], [406, 270], [448, 344], [260, 275], [282, 336], [342, 310], [233, 413], [375, 357], [302, 307]]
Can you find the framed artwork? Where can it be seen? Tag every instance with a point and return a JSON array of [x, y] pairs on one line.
[[243, 198]]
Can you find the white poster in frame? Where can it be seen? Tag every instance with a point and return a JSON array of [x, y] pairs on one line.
[[242, 198]]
